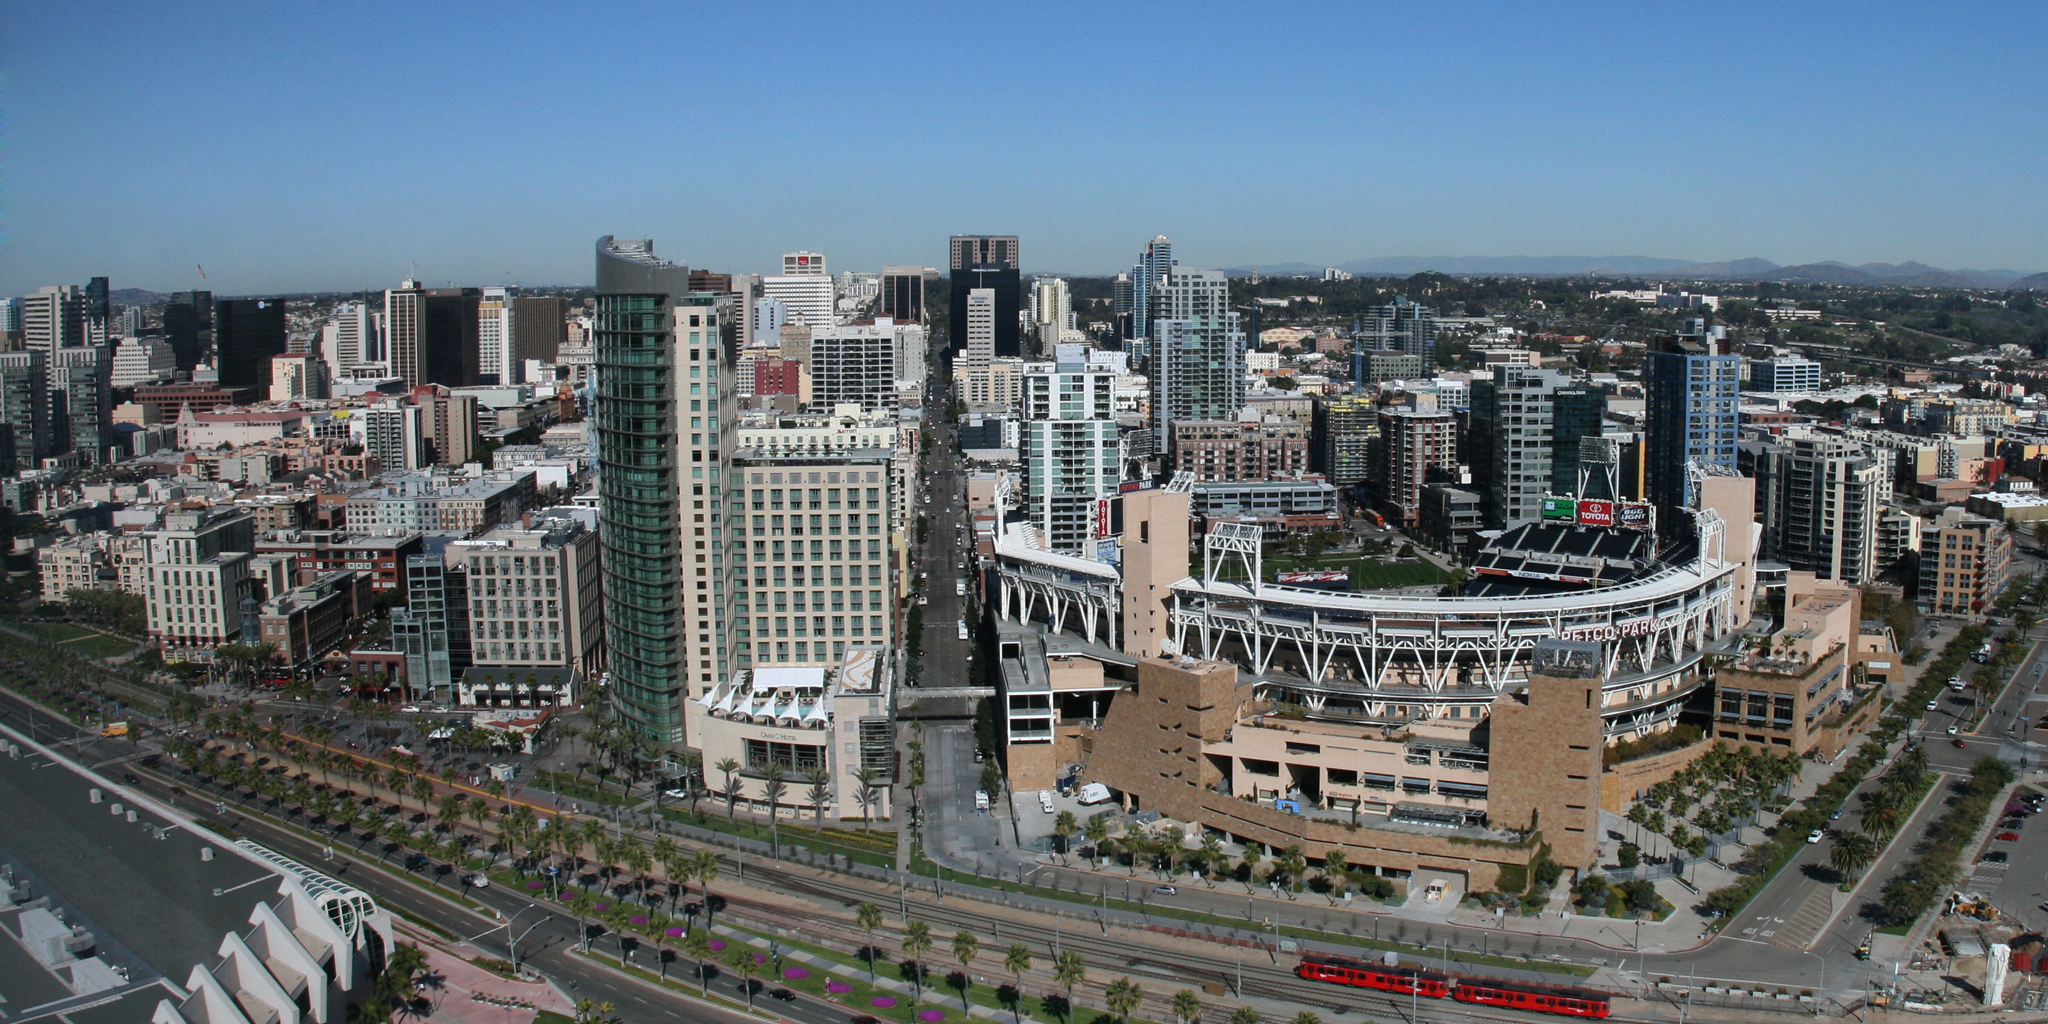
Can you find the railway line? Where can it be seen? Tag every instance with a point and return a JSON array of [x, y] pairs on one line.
[[1258, 970]]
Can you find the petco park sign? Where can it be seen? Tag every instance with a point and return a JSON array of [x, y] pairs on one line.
[[1620, 630]]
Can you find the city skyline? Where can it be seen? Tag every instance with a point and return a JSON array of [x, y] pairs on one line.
[[1506, 133]]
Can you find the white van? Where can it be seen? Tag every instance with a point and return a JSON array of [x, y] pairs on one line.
[[1094, 793]]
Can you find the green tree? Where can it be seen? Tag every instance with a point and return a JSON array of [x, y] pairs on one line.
[[965, 949], [1121, 997], [697, 946], [866, 793], [1068, 971], [1245, 1015], [774, 783], [868, 917], [730, 790], [743, 964], [1852, 852], [1017, 960], [1064, 826], [917, 941], [1187, 1007], [818, 788], [704, 866]]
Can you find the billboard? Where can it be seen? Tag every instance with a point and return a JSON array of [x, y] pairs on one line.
[[1325, 580], [1594, 512], [1101, 518], [1633, 515], [1559, 507], [1110, 551]]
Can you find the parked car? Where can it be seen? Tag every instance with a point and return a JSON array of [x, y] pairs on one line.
[[1815, 836], [2008, 837], [1933, 704], [1165, 890], [1958, 743], [1997, 857], [1953, 729]]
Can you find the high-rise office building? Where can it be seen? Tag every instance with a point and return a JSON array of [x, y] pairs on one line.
[[134, 322], [805, 289], [1152, 267], [979, 316], [540, 323], [811, 598], [1417, 448], [1820, 499], [901, 297], [1197, 349], [143, 361], [99, 312], [714, 283], [1691, 387], [81, 401], [991, 262], [431, 334], [1524, 423], [433, 628], [448, 424], [297, 375], [1122, 296], [663, 432], [1794, 374], [533, 596], [188, 326], [10, 316], [1346, 429], [854, 363], [24, 410], [1071, 457], [1403, 326], [198, 576], [494, 357], [53, 318], [392, 435], [247, 332], [350, 342]]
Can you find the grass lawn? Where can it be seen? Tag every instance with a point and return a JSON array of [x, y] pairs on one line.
[[566, 784], [100, 645], [1366, 573], [55, 632], [873, 848]]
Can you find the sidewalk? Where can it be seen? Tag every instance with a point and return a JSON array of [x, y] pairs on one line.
[[463, 993]]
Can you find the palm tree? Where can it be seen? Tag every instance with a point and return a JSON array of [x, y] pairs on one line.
[[917, 941], [742, 961], [1881, 819], [866, 794], [618, 918], [1187, 1007], [639, 862], [1123, 996], [1914, 760], [1017, 960], [1064, 826], [869, 917], [731, 790], [1245, 1015], [1097, 833], [820, 787], [1068, 970], [965, 948], [697, 946], [704, 865], [774, 782], [1852, 852], [1305, 1017]]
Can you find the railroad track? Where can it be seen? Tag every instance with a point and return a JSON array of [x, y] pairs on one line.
[[1107, 955]]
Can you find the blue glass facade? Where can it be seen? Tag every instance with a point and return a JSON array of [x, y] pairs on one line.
[[1690, 396]]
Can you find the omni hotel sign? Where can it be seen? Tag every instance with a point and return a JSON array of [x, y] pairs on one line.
[[1621, 630]]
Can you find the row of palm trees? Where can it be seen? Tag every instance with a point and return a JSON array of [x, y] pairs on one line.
[[1885, 810]]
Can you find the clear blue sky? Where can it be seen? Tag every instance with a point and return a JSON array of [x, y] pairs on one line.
[[291, 146]]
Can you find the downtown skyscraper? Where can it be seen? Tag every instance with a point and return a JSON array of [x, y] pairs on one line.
[[664, 421], [1197, 349], [1691, 386], [990, 262]]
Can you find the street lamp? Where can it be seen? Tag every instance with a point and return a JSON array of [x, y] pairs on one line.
[[512, 943], [1822, 995]]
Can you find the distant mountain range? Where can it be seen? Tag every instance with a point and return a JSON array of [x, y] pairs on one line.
[[1751, 269]]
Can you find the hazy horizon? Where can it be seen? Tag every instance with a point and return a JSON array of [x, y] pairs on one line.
[[297, 149]]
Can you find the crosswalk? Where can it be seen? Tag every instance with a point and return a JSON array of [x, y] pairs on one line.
[[1803, 926]]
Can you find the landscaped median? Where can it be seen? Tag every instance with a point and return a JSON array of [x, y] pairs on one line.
[[1764, 860], [828, 974], [926, 867]]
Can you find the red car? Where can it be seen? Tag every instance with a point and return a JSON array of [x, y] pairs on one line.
[[1957, 743], [2008, 837]]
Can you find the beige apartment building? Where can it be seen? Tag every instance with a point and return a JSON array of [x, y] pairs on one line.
[[1965, 560]]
